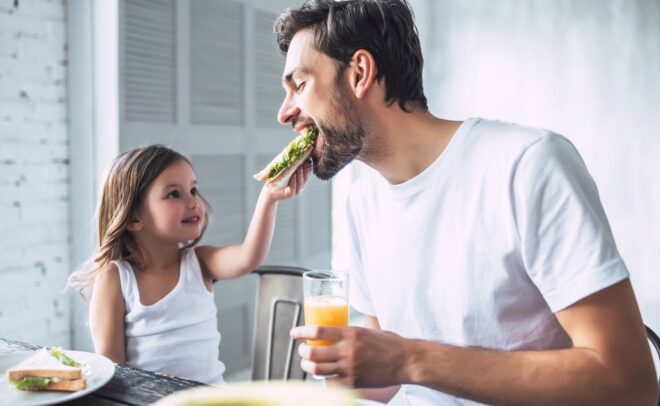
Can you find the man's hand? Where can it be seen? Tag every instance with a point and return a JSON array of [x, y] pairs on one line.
[[296, 184], [361, 357]]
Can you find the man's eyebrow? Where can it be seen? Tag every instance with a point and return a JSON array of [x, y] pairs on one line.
[[286, 79]]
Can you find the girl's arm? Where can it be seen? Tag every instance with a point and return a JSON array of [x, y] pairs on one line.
[[236, 260], [106, 315]]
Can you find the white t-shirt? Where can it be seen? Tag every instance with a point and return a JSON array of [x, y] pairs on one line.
[[504, 228], [178, 335]]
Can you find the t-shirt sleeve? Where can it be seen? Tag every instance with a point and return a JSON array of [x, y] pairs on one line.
[[359, 297], [566, 242]]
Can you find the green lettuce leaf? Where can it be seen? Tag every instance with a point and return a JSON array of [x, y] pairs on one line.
[[58, 353], [293, 151], [30, 382]]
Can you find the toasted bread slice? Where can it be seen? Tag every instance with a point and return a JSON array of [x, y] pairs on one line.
[[43, 365], [61, 386]]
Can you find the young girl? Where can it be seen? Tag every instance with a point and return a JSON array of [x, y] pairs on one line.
[[152, 303]]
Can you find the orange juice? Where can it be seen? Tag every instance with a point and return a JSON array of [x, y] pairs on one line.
[[325, 311]]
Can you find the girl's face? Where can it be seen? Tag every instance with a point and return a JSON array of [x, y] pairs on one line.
[[172, 210]]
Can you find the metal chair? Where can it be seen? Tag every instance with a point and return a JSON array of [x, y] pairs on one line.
[[655, 341], [279, 308]]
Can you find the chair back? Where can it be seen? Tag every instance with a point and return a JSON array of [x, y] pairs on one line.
[[279, 308], [655, 342]]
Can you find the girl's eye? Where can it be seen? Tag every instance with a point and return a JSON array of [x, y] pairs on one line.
[[173, 194], [194, 191]]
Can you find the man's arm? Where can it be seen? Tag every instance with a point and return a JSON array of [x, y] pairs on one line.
[[609, 363]]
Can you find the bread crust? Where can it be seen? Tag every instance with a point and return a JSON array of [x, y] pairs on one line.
[[74, 373], [62, 386], [281, 180]]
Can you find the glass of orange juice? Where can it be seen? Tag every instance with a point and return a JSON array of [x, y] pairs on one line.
[[326, 300]]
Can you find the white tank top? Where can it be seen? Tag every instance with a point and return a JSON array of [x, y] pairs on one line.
[[178, 335]]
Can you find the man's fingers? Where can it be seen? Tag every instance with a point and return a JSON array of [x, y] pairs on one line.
[[318, 353], [315, 368], [340, 380], [316, 333]]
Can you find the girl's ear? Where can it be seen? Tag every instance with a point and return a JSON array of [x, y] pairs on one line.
[[363, 72], [135, 225]]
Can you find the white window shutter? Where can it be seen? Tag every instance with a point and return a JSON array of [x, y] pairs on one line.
[[216, 62], [268, 72], [225, 193], [149, 58], [316, 223]]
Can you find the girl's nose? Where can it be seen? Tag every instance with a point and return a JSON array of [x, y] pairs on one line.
[[193, 201]]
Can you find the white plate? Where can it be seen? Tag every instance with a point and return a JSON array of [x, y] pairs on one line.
[[98, 372]]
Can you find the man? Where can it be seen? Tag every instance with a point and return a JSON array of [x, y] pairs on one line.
[[482, 255]]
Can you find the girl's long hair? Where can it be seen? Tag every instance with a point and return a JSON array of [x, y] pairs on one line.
[[124, 189]]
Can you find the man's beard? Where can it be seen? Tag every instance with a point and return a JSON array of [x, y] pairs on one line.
[[342, 143]]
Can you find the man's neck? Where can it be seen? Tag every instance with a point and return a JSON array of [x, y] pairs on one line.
[[402, 145]]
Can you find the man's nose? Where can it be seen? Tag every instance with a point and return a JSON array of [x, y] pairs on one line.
[[288, 111]]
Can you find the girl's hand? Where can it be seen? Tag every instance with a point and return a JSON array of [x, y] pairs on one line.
[[296, 183]]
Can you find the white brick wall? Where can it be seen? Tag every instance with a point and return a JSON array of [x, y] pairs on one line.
[[34, 172]]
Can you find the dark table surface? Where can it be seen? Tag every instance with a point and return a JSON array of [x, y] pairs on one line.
[[129, 386]]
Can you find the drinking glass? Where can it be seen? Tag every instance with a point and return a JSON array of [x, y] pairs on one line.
[[325, 300]]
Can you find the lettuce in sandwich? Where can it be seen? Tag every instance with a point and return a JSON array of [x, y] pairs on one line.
[[278, 172]]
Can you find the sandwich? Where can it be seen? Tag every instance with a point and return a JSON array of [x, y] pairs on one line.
[[278, 172], [47, 370]]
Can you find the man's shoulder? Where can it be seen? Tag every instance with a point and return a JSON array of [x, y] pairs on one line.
[[510, 141], [508, 133]]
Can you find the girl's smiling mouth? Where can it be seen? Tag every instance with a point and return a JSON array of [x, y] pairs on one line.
[[191, 220]]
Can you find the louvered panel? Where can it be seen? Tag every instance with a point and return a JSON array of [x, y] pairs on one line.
[[221, 183], [216, 62], [268, 72], [234, 325], [284, 249], [316, 218], [149, 58]]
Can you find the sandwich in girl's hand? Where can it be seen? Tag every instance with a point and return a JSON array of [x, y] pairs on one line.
[[50, 370], [278, 172]]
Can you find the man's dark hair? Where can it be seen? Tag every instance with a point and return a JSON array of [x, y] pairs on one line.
[[385, 28]]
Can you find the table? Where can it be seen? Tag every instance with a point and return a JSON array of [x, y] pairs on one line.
[[128, 387]]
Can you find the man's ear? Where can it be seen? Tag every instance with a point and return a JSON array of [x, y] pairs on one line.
[[363, 72], [135, 225]]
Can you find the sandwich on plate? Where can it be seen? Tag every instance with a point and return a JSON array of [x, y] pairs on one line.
[[278, 172], [47, 370]]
